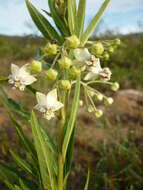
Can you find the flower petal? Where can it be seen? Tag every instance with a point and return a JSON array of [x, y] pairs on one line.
[[14, 69], [82, 54], [58, 105], [41, 99], [29, 79], [53, 94], [90, 76]]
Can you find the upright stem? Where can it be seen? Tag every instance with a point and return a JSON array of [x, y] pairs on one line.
[[60, 157]]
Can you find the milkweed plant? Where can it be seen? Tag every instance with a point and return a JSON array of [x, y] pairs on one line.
[[72, 63]]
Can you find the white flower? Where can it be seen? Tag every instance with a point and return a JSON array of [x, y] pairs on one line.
[[20, 77], [83, 58], [82, 55], [94, 71], [105, 74], [48, 104]]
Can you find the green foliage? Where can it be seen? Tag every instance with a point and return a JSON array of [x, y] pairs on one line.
[[42, 23]]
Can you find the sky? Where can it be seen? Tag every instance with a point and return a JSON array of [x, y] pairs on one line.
[[122, 16]]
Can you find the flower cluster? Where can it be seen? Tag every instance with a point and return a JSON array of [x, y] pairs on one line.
[[65, 64]]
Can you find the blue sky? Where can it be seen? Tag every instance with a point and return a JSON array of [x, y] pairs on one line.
[[123, 16]]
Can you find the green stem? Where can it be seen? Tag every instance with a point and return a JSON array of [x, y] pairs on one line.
[[60, 157]]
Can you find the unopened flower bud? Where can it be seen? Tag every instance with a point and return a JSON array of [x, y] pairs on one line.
[[115, 86], [98, 113], [106, 56], [36, 67], [90, 109], [111, 49], [99, 97], [51, 74], [65, 84], [51, 49], [74, 72], [97, 49], [80, 103], [117, 41], [108, 101], [65, 63], [73, 42]]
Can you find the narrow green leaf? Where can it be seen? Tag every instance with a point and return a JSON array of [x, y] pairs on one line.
[[94, 22], [68, 161], [80, 18], [59, 21], [71, 15], [21, 163], [26, 142], [22, 184], [9, 185], [71, 123], [43, 24], [87, 180], [13, 105], [8, 174], [43, 150]]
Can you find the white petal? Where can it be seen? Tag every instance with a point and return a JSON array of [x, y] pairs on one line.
[[24, 68], [52, 94], [82, 54], [14, 69], [90, 76], [58, 105], [29, 79], [41, 98]]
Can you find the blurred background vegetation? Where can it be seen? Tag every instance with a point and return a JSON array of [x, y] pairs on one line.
[[111, 147]]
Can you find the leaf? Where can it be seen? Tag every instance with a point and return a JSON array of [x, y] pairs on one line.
[[87, 180], [8, 173], [45, 156], [94, 22], [9, 185], [43, 24], [21, 163], [71, 15], [58, 19], [22, 184], [13, 105], [80, 18], [71, 123], [26, 142], [68, 161]]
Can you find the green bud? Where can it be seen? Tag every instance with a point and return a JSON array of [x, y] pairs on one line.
[[36, 67], [99, 97], [111, 49], [108, 101], [97, 49], [117, 41], [65, 63], [106, 56], [51, 74], [73, 42], [80, 103], [115, 86], [74, 72], [65, 84], [90, 109], [98, 113], [51, 49]]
